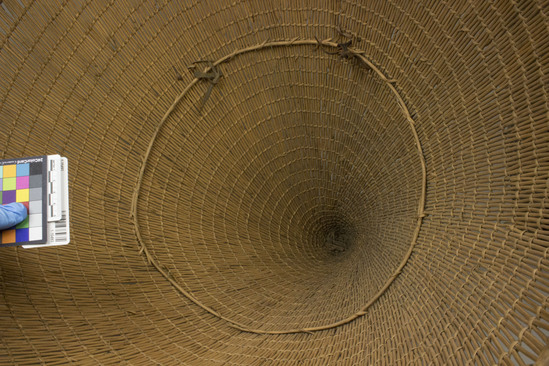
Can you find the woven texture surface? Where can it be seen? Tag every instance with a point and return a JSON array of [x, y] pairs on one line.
[[343, 182]]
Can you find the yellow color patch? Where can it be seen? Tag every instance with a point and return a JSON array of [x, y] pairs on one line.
[[22, 195], [10, 171]]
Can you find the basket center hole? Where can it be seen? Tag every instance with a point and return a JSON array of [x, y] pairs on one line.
[[339, 238]]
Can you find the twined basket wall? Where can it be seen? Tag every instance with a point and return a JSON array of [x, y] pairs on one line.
[[331, 182]]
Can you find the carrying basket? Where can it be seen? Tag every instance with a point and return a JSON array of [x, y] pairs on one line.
[[251, 182]]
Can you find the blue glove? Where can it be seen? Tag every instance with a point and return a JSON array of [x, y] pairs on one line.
[[12, 214]]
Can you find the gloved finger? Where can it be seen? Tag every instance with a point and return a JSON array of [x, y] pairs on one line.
[[12, 214]]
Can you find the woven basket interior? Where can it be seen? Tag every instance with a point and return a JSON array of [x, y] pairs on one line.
[[341, 182]]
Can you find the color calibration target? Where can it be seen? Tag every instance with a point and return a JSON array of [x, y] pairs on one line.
[[24, 181]]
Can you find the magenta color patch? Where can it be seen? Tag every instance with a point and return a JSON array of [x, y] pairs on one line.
[[22, 182]]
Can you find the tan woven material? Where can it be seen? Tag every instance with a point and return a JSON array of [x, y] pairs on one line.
[[341, 182]]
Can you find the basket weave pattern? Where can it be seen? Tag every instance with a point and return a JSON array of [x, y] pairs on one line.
[[381, 202]]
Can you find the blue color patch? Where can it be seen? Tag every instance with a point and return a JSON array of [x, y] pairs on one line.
[[21, 235], [22, 170]]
